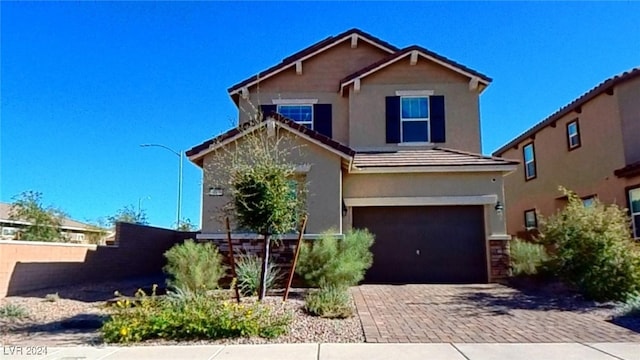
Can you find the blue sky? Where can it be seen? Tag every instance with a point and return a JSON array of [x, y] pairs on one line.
[[84, 83]]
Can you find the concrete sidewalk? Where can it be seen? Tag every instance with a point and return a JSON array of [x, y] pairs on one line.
[[454, 351]]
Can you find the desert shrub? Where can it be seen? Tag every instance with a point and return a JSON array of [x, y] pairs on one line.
[[631, 308], [329, 261], [248, 268], [329, 302], [191, 317], [194, 267], [526, 257], [52, 297], [13, 311], [592, 248]]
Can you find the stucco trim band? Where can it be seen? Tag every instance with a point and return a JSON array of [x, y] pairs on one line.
[[422, 200], [434, 169]]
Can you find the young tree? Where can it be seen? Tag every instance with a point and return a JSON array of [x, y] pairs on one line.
[[129, 214], [45, 223], [186, 225], [265, 196]]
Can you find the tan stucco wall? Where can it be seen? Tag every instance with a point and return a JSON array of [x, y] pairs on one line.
[[320, 79], [628, 95], [587, 170], [429, 185], [323, 185], [339, 108], [367, 126]]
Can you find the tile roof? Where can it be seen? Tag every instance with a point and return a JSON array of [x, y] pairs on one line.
[[630, 170], [605, 86], [299, 128], [427, 157], [389, 59], [66, 222], [290, 60]]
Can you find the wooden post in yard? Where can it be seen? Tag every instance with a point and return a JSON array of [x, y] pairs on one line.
[[295, 259], [232, 261]]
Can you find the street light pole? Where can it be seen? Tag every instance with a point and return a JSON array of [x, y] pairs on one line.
[[180, 155]]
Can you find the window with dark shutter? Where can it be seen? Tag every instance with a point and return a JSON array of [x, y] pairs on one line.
[[393, 119], [437, 119], [267, 110], [322, 119]]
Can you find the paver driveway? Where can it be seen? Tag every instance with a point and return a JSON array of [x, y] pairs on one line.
[[479, 313]]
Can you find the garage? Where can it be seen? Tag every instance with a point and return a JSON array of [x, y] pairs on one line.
[[425, 244]]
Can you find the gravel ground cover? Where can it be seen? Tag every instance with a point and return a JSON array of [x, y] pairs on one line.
[[45, 323]]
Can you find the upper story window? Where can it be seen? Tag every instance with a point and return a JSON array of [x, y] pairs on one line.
[[414, 118], [634, 210], [302, 114], [529, 155], [573, 135]]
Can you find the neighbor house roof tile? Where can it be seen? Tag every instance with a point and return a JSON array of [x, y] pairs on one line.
[[630, 170], [604, 86]]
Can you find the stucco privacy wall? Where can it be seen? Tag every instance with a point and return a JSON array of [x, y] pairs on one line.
[[602, 144], [26, 266], [323, 185], [367, 121], [320, 80]]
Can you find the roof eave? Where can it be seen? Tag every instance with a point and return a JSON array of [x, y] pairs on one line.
[[606, 86], [506, 168], [291, 60]]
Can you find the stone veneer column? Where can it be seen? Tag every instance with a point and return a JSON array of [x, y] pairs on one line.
[[499, 258]]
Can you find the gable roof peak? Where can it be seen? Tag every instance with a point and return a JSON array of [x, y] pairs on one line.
[[407, 51], [311, 51]]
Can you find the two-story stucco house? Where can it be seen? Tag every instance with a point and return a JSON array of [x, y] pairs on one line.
[[590, 146], [392, 144]]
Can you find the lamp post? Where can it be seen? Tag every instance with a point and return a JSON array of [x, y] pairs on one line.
[[180, 156]]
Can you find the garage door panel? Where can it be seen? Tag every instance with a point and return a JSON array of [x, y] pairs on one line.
[[443, 244]]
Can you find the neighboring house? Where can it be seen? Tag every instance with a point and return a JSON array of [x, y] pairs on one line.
[[392, 143], [590, 146], [73, 231]]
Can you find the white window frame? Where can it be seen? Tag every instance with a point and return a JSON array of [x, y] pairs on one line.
[[535, 219], [427, 120], [528, 176], [309, 124], [574, 135], [14, 232], [634, 226]]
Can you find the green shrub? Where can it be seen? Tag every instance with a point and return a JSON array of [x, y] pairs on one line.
[[329, 302], [631, 308], [52, 297], [248, 269], [13, 311], [329, 261], [194, 267], [191, 317], [593, 249], [526, 257]]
